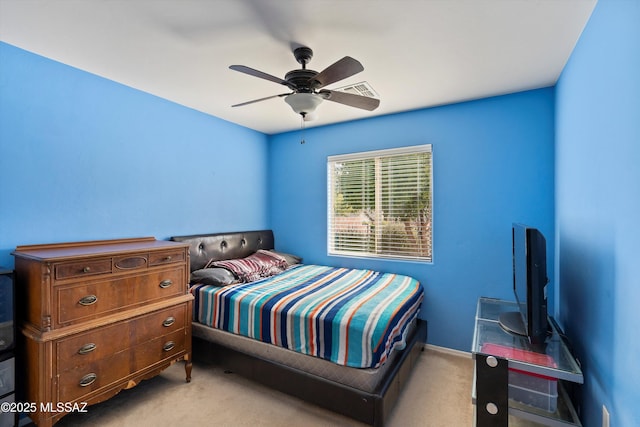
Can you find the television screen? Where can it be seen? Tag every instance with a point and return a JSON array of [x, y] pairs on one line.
[[529, 285], [520, 267]]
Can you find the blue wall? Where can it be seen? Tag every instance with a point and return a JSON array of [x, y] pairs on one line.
[[82, 158], [493, 165], [598, 209]]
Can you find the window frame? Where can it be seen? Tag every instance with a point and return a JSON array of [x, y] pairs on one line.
[[371, 155]]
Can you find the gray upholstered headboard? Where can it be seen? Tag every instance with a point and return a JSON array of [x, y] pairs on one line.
[[204, 247]]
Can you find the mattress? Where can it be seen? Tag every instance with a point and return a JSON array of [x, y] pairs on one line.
[[367, 380], [351, 317]]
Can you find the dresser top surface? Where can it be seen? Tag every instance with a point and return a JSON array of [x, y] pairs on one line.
[[61, 251]]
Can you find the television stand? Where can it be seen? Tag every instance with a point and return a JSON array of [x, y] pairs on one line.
[[508, 369]]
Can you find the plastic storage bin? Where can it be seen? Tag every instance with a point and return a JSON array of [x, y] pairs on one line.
[[533, 390], [7, 378], [7, 335], [7, 418]]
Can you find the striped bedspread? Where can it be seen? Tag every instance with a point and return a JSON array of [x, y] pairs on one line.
[[350, 317]]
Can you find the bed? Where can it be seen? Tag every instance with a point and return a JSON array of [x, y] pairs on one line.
[[357, 371]]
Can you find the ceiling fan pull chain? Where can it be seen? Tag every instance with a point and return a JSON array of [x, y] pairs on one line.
[[302, 141]]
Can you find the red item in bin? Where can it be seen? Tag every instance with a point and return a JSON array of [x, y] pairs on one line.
[[520, 355]]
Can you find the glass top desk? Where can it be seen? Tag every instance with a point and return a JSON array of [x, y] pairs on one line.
[[496, 352]]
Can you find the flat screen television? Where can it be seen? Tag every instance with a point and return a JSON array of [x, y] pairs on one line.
[[529, 285]]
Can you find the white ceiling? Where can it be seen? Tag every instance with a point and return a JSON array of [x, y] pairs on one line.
[[416, 53]]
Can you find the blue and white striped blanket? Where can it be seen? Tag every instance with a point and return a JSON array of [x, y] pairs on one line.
[[351, 317]]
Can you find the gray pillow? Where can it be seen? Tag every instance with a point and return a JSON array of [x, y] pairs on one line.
[[214, 276]]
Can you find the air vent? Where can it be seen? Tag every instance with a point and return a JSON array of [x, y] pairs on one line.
[[362, 88]]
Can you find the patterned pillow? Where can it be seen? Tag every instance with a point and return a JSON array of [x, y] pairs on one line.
[[256, 266]]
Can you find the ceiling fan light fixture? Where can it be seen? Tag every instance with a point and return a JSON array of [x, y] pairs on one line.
[[303, 103]]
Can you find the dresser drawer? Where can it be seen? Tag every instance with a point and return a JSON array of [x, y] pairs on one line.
[[93, 345], [130, 262], [158, 349], [83, 379], [168, 257], [79, 302], [86, 268], [159, 323]]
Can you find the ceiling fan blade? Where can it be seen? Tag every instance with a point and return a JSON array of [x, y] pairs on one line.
[[261, 99], [358, 101], [256, 73], [345, 67]]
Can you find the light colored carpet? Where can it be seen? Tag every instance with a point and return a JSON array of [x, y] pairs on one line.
[[437, 395]]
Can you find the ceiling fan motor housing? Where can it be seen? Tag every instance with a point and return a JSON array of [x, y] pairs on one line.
[[301, 79]]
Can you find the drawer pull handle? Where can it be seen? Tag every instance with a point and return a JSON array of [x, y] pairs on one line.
[[88, 300], [169, 321], [87, 269], [167, 258], [88, 379], [87, 348], [166, 283], [168, 346]]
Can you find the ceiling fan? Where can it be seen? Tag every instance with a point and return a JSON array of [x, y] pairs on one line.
[[307, 85]]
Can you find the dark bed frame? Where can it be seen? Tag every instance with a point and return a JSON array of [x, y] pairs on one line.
[[369, 407]]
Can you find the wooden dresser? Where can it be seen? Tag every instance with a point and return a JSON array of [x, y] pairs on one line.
[[98, 317]]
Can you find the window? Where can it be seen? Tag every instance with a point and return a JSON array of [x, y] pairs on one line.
[[380, 203]]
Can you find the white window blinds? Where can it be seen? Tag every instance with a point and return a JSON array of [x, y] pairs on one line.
[[380, 203]]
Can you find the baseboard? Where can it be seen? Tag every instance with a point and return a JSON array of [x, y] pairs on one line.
[[447, 350]]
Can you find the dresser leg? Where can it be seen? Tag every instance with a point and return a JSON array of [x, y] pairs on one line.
[[187, 366]]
